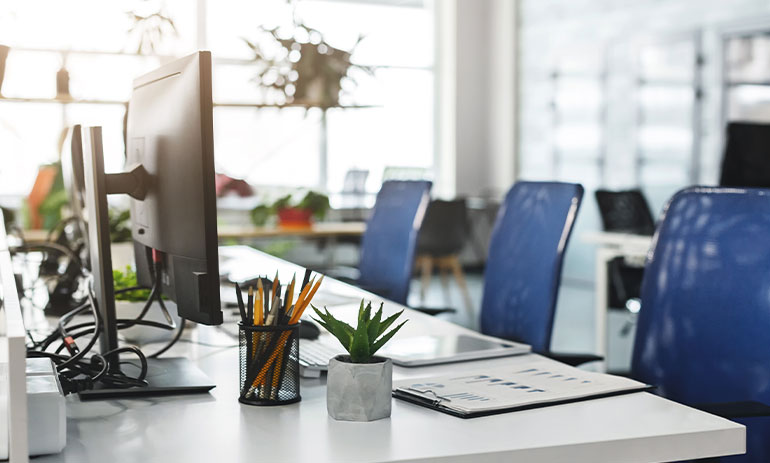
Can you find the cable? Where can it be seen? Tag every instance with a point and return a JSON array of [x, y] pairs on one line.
[[170, 343], [32, 246]]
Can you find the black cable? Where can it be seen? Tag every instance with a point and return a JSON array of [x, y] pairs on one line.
[[130, 288], [33, 246], [170, 343], [92, 342]]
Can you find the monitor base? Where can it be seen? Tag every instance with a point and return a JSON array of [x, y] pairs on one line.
[[167, 376]]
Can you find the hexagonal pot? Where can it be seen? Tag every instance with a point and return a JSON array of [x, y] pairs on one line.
[[359, 391]]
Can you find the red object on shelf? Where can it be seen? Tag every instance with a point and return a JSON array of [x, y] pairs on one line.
[[294, 217]]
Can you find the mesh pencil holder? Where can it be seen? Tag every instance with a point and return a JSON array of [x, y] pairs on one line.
[[269, 364]]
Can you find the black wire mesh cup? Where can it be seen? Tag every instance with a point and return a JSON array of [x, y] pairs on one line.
[[269, 364]]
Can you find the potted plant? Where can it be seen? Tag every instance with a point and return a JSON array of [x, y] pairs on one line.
[[129, 304], [302, 67], [293, 214], [358, 385]]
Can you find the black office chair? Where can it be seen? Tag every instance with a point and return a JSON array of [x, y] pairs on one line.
[[747, 156], [442, 236], [624, 212]]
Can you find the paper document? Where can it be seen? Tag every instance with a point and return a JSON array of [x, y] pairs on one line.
[[509, 388]]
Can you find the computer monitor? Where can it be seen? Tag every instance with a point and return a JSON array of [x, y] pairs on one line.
[[169, 176], [170, 134]]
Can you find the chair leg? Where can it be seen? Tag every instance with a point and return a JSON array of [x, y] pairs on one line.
[[426, 268], [444, 273], [454, 263]]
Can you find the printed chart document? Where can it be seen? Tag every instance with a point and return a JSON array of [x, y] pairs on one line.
[[518, 387]]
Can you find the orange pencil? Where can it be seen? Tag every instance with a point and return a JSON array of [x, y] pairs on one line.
[[306, 302], [303, 294]]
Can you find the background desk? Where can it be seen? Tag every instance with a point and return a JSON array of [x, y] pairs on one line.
[[610, 246], [317, 230], [214, 427]]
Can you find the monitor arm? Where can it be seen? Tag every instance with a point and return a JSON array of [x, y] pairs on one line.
[[133, 182]]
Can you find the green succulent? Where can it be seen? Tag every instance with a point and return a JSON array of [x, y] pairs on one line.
[[367, 338]]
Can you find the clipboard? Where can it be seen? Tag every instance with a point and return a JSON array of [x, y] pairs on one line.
[[435, 403], [522, 386]]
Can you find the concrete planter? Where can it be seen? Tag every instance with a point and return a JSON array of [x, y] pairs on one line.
[[359, 391]]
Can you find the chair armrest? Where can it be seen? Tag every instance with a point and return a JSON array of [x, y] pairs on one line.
[[746, 409], [434, 310], [573, 359]]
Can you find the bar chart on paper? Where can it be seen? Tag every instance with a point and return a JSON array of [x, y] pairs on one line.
[[498, 390]]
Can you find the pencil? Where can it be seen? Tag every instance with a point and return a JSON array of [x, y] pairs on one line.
[[303, 294], [306, 302], [259, 312], [290, 293]]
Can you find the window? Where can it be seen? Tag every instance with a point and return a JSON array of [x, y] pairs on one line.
[[384, 120]]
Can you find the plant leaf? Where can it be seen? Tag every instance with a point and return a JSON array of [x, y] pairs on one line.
[[374, 326], [385, 338], [340, 330], [359, 348], [367, 314], [388, 321]]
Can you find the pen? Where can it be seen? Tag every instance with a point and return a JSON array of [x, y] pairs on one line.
[[241, 307], [250, 306], [306, 278]]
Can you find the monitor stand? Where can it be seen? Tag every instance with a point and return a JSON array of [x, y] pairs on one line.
[[165, 376]]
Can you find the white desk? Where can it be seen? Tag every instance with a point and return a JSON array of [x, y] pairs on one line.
[[610, 246], [214, 427]]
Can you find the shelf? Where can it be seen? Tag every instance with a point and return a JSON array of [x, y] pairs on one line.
[[227, 105], [292, 105], [62, 101]]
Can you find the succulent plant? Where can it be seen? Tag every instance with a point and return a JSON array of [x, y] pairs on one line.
[[365, 339]]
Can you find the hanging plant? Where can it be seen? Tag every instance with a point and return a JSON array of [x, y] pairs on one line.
[[304, 68], [149, 29]]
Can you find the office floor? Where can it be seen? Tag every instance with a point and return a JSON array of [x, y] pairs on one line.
[[573, 326]]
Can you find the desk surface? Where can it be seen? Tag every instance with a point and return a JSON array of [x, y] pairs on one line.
[[317, 230], [620, 240], [638, 427]]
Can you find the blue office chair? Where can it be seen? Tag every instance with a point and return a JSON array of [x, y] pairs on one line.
[[388, 245], [703, 334], [523, 271]]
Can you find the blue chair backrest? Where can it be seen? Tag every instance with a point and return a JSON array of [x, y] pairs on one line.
[[521, 281], [703, 334], [388, 245]]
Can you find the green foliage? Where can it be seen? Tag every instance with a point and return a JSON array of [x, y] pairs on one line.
[[120, 229], [367, 338], [127, 280], [50, 208], [317, 203], [282, 203], [260, 214]]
